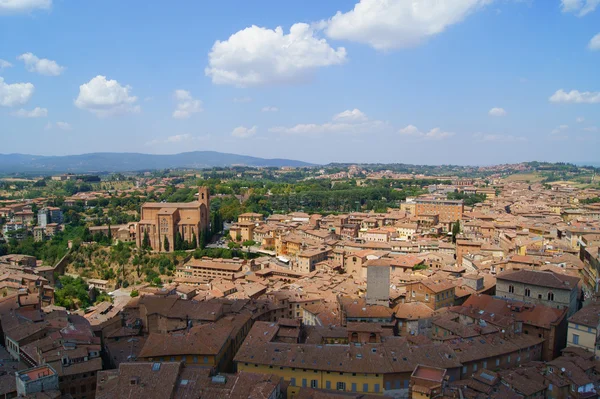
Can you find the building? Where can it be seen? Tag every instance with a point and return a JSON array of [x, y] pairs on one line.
[[449, 211], [378, 282], [160, 222], [436, 294], [584, 329], [37, 379], [426, 382], [543, 287], [48, 215], [209, 268]]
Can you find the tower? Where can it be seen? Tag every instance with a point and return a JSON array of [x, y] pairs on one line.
[[204, 200]]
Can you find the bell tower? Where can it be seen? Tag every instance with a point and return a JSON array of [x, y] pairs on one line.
[[204, 201]]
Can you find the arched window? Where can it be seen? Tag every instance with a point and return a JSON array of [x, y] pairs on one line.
[[354, 337], [372, 338], [550, 296], [527, 292], [511, 289]]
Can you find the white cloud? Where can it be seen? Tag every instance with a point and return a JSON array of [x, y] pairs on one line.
[[4, 64], [559, 129], [269, 109], [497, 112], [387, 24], [258, 56], [242, 99], [42, 66], [15, 94], [579, 7], [579, 119], [178, 138], [63, 125], [106, 97], [243, 132], [575, 96], [498, 138], [595, 43], [354, 115], [349, 122], [186, 104], [433, 134], [37, 112], [16, 6], [590, 129]]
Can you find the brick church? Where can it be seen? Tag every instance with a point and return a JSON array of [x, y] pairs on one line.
[[162, 220]]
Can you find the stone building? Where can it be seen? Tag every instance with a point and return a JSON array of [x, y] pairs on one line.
[[161, 221], [543, 287]]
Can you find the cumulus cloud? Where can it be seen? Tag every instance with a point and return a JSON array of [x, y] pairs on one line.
[[345, 122], [498, 138], [4, 64], [106, 97], [43, 66], [575, 96], [58, 125], [433, 134], [258, 56], [269, 109], [386, 24], [559, 129], [18, 6], [354, 115], [37, 112], [579, 7], [15, 94], [594, 43], [186, 104], [497, 112], [244, 132], [63, 125]]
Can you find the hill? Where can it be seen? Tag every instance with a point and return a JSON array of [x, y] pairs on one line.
[[127, 162]]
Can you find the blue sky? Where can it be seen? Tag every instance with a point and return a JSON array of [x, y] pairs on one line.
[[458, 81]]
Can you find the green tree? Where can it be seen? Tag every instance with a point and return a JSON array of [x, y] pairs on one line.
[[455, 230], [134, 293], [166, 244], [194, 240], [146, 241]]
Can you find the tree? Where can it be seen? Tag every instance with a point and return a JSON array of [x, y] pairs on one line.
[[455, 230], [134, 293], [202, 239], [109, 235], [166, 244], [146, 241], [194, 240], [178, 245]]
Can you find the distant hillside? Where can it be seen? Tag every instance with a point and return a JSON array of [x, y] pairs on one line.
[[127, 162]]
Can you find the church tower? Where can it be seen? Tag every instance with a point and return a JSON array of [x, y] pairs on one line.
[[204, 200]]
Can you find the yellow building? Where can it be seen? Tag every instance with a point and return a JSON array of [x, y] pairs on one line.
[[584, 328], [347, 368]]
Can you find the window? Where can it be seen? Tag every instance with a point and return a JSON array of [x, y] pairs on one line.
[[511, 289], [427, 297], [195, 359], [376, 388], [314, 383], [550, 296], [485, 364], [353, 389], [474, 367], [464, 369], [527, 292], [205, 359], [304, 383], [576, 339], [413, 293], [341, 386], [365, 387], [293, 381], [328, 384], [498, 362]]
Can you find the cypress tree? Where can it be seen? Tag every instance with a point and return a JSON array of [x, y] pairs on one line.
[[166, 244]]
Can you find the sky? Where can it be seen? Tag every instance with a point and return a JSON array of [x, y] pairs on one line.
[[471, 82]]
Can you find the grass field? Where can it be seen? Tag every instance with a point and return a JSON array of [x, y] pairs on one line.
[[523, 177]]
